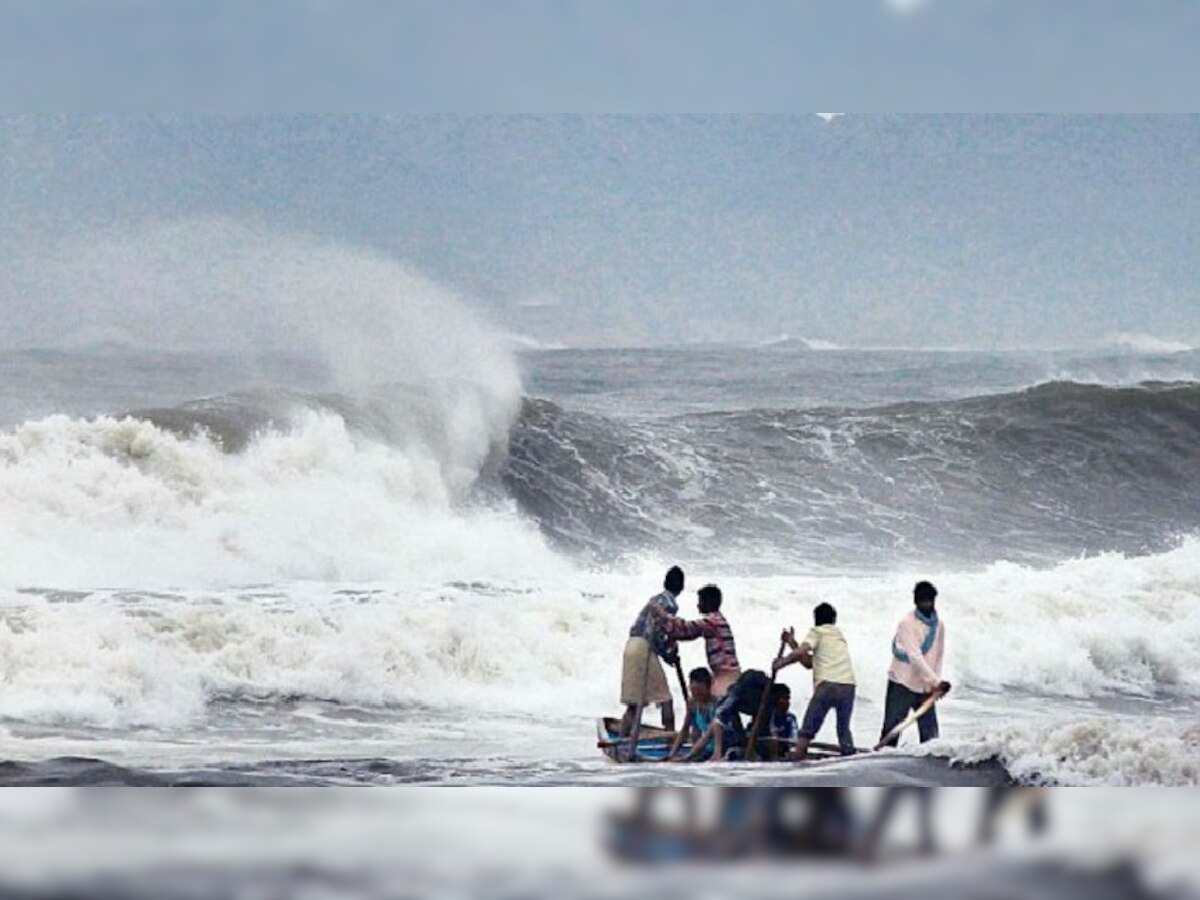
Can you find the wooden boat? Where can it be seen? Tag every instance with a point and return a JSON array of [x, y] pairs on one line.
[[654, 743]]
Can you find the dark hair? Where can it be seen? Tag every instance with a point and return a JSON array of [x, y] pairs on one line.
[[710, 598], [780, 690], [674, 580], [700, 676], [924, 591], [824, 614]]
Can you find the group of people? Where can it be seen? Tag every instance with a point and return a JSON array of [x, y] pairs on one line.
[[721, 697]]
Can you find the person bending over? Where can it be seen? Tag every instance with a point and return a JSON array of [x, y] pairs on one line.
[[700, 710]]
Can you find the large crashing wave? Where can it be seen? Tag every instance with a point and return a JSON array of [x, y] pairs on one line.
[[427, 480], [358, 483], [126, 503], [1059, 469]]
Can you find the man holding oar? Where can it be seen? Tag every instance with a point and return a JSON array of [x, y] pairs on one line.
[[824, 651], [915, 676], [642, 678]]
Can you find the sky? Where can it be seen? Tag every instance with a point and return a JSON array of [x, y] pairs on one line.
[[860, 230]]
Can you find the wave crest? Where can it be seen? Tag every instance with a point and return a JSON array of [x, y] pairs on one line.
[[1059, 469]]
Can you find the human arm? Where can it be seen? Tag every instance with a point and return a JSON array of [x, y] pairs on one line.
[[683, 732], [909, 639], [683, 630], [658, 615], [714, 732], [667, 649], [943, 688], [786, 638], [801, 653]]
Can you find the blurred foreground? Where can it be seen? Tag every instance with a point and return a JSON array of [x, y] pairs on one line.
[[484, 842]]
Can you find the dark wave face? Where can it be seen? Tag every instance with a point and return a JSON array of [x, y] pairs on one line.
[[1060, 469]]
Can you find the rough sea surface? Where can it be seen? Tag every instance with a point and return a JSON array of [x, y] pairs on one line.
[[218, 570]]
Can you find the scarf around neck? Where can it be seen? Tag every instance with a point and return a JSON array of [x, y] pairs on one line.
[[931, 622]]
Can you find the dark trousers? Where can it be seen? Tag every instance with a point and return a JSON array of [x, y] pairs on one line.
[[899, 703], [831, 696]]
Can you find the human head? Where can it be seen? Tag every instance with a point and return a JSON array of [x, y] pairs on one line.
[[782, 695], [710, 598], [924, 596], [700, 683], [824, 614], [674, 580]]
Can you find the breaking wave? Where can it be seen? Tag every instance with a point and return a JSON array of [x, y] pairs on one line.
[[442, 476], [125, 502], [1094, 752]]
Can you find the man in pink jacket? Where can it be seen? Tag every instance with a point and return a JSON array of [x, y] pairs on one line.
[[916, 671]]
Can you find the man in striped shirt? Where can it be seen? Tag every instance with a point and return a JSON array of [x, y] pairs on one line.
[[718, 639]]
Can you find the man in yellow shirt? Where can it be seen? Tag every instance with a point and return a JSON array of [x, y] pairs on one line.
[[824, 651]]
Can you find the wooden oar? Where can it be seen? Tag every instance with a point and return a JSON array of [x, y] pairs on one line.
[[833, 748], [682, 683], [912, 717], [762, 708]]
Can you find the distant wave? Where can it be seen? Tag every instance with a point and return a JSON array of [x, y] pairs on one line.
[[787, 341], [1059, 468], [524, 343], [1145, 344]]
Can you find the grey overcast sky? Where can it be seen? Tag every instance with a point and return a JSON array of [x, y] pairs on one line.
[[991, 231]]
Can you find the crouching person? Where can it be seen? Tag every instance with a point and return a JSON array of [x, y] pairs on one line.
[[700, 712], [727, 731]]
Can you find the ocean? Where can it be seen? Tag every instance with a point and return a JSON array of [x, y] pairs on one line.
[[225, 569]]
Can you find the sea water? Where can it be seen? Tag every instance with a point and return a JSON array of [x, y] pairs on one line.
[[260, 568]]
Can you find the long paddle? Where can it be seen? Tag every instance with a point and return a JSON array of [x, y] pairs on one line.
[[912, 717], [682, 682], [762, 708]]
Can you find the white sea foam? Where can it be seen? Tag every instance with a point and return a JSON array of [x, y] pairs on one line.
[[1108, 624], [1103, 751], [122, 503], [110, 502], [512, 629]]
